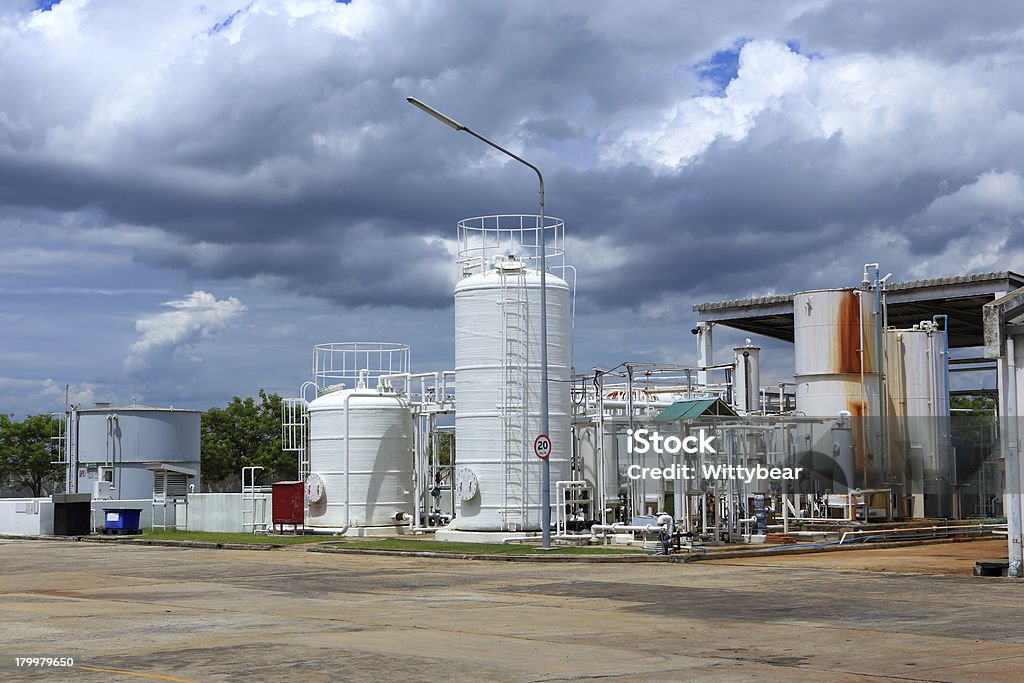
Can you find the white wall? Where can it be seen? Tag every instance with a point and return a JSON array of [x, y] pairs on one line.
[[206, 512], [223, 511], [26, 516]]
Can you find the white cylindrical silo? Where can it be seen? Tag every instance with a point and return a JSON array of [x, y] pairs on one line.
[[360, 458], [498, 379]]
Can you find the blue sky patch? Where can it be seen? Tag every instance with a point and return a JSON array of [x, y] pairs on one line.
[[721, 68]]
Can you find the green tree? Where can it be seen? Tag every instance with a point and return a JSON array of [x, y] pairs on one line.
[[245, 433], [973, 429], [27, 452]]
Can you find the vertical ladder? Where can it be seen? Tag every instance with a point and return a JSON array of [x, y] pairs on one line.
[[253, 508], [294, 432], [71, 451], [515, 312], [59, 445]]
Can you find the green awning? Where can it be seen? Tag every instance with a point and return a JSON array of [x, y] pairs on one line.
[[695, 408]]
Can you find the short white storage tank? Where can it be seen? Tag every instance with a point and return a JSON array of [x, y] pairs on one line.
[[361, 459]]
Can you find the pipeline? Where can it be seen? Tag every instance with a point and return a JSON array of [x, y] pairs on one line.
[[606, 528]]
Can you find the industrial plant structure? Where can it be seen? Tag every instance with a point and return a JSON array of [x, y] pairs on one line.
[[867, 418]]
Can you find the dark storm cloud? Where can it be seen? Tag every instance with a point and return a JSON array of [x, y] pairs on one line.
[[944, 30], [274, 141]]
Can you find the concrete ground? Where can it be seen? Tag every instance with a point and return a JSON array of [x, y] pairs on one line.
[[135, 613]]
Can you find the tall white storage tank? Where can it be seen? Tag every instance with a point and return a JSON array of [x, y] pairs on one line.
[[498, 375], [361, 459]]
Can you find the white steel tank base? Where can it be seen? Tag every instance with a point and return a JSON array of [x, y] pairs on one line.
[[498, 372]]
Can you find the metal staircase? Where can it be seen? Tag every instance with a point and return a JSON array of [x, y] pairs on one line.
[[513, 408]]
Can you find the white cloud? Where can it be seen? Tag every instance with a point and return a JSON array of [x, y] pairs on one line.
[[893, 114], [978, 220], [992, 196], [171, 334], [30, 396], [768, 70]]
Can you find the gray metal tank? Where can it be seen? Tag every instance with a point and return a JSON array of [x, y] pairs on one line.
[[918, 416], [114, 445]]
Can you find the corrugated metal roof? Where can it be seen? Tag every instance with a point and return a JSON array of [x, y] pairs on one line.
[[960, 297], [892, 287], [751, 301], [693, 408]]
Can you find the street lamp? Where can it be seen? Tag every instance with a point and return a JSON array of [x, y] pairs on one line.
[[545, 500]]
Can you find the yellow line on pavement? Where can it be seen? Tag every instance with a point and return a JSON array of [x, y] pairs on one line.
[[133, 673]]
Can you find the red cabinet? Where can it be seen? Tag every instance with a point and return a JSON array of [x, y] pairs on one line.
[[288, 505]]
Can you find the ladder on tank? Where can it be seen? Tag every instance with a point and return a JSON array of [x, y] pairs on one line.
[[295, 432], [515, 340]]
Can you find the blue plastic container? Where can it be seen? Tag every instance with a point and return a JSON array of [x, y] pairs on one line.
[[121, 518]]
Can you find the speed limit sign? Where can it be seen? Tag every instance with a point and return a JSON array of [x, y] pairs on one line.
[[542, 446]]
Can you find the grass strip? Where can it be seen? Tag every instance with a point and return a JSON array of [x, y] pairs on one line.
[[413, 545]]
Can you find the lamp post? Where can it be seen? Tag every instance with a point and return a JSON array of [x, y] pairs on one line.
[[545, 502]]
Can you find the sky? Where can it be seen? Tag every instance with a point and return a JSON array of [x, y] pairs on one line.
[[193, 194]]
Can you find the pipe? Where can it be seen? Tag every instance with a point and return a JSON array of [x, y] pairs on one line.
[[1013, 514], [348, 435], [880, 363], [606, 528], [559, 537], [954, 529], [945, 392], [601, 455], [615, 403], [633, 484], [877, 284]]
